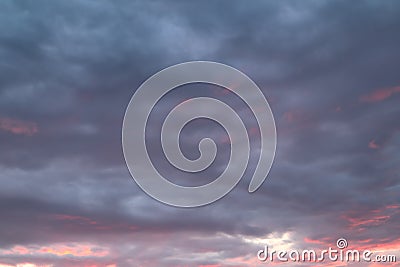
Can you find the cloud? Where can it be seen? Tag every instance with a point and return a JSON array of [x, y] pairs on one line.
[[69, 69], [380, 94], [61, 250], [373, 145], [18, 127]]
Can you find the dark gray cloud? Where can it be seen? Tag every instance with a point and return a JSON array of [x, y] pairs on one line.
[[68, 70]]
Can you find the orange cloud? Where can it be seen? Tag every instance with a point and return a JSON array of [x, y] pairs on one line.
[[380, 94], [18, 127]]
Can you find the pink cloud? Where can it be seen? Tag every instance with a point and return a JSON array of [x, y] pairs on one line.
[[289, 116], [373, 218], [25, 264], [18, 126], [60, 250], [298, 116], [380, 94], [79, 221], [28, 264], [373, 145], [314, 241]]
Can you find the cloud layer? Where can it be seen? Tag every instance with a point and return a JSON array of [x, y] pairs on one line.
[[68, 70]]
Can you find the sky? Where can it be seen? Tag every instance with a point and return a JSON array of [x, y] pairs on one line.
[[329, 69]]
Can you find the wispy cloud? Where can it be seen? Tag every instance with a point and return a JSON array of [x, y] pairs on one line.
[[380, 94], [18, 127]]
